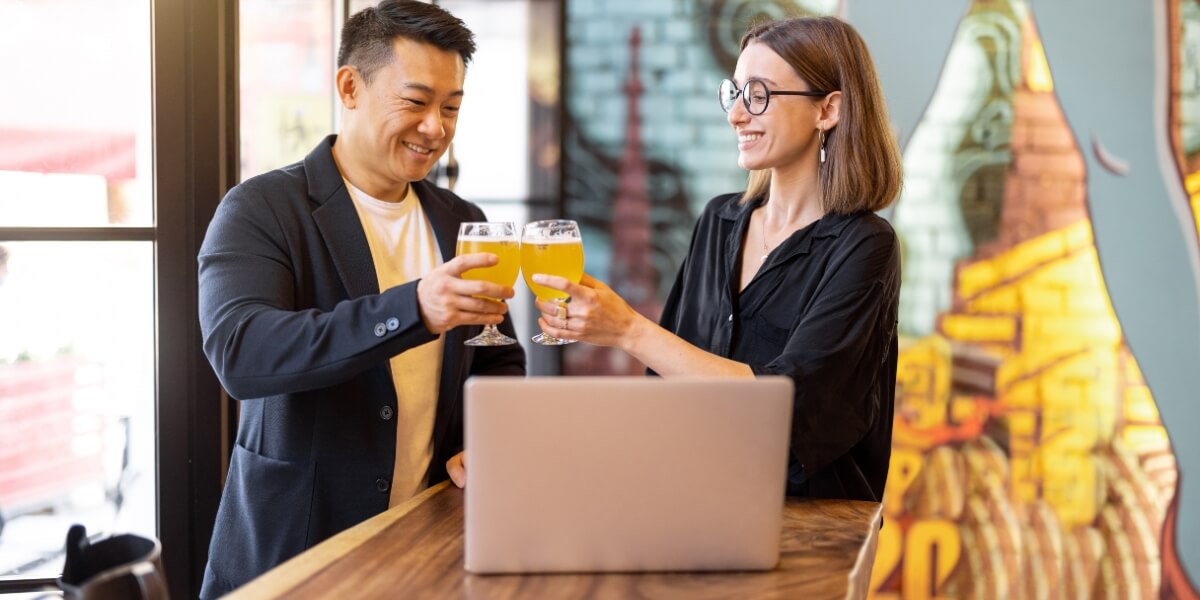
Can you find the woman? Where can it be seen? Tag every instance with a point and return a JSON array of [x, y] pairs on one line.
[[796, 276]]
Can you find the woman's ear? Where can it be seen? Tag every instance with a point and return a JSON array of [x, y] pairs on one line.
[[348, 84], [831, 111]]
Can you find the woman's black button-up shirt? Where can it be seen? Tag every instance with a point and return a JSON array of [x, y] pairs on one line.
[[822, 310]]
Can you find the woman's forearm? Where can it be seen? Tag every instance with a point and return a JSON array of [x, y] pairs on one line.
[[670, 355]]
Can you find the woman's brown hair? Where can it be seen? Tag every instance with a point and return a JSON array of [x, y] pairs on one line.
[[863, 169]]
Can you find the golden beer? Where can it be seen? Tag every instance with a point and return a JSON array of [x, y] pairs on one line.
[[552, 257], [503, 272]]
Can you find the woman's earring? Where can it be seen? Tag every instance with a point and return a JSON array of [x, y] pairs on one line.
[[821, 139]]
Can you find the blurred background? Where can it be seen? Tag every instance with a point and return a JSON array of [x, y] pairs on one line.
[[1049, 310]]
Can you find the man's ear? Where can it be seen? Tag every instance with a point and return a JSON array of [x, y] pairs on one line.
[[349, 85], [831, 110]]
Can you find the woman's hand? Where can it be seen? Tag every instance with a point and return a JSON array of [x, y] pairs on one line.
[[456, 467], [595, 314]]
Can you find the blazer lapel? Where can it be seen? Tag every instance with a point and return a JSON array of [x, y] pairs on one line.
[[456, 357], [338, 222], [442, 218], [347, 244]]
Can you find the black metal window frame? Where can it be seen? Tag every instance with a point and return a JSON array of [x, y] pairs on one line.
[[195, 78]]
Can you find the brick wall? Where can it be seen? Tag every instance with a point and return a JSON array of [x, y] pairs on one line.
[[682, 124], [1188, 76], [964, 131]]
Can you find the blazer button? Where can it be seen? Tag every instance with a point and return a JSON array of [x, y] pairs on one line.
[[380, 330], [385, 413], [393, 324], [381, 485], [730, 317]]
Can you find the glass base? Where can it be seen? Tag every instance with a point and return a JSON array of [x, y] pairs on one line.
[[490, 337], [549, 340]]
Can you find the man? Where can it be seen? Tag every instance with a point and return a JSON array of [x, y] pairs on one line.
[[332, 305]]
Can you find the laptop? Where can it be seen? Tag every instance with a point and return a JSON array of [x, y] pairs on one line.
[[625, 474]]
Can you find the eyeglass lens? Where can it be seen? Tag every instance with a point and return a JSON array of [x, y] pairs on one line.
[[755, 96]]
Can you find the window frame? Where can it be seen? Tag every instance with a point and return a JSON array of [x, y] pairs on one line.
[[194, 81]]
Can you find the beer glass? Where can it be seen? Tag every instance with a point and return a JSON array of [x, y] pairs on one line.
[[499, 239], [551, 248]]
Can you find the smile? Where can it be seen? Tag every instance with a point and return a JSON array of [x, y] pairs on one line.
[[418, 149], [751, 137]]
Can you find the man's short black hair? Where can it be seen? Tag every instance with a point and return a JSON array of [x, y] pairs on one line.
[[368, 35]]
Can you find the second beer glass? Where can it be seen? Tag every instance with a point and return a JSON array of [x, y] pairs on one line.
[[499, 239], [551, 248]]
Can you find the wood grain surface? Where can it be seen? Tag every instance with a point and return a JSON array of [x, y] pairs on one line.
[[416, 551]]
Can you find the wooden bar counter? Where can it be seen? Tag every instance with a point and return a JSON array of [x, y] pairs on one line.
[[415, 550]]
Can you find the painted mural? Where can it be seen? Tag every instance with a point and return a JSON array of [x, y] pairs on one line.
[[1016, 385], [1030, 459]]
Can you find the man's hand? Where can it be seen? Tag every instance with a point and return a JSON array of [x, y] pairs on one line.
[[447, 301], [457, 468]]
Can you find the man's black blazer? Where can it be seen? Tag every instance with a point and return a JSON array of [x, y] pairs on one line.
[[296, 328]]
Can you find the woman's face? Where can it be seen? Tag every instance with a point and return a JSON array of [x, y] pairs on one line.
[[784, 136]]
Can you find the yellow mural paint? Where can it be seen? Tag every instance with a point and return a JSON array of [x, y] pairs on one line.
[[1038, 75]]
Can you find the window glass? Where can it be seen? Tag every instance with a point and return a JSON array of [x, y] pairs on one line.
[[75, 117], [491, 145], [76, 317], [76, 396], [286, 80]]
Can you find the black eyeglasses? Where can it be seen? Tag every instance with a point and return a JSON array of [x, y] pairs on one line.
[[755, 95]]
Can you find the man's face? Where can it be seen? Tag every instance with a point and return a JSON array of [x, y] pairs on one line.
[[404, 120]]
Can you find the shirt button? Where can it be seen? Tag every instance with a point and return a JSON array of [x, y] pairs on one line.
[[393, 324], [380, 330], [385, 413], [381, 485]]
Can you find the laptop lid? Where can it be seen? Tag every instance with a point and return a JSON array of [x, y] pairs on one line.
[[591, 474]]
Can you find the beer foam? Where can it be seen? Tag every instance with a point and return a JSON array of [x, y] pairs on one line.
[[483, 238], [547, 241]]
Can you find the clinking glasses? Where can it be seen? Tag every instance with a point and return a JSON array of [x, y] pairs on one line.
[[755, 95]]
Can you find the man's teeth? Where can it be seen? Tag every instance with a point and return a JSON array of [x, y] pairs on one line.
[[417, 148], [749, 138]]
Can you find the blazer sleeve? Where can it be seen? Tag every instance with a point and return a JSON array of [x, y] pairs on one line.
[[836, 353], [257, 340]]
